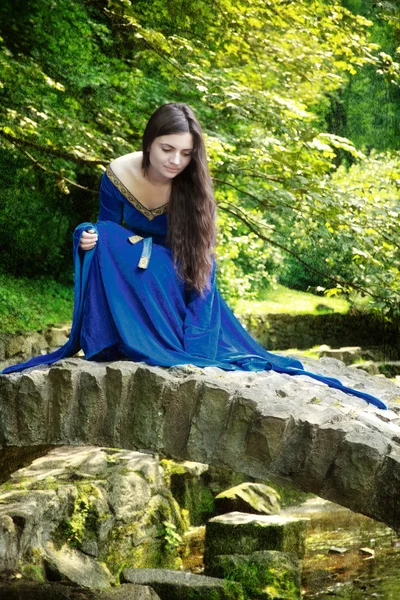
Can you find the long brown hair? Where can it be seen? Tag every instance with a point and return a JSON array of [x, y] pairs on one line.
[[191, 207]]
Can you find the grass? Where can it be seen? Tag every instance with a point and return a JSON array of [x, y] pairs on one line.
[[308, 353], [33, 304], [279, 299]]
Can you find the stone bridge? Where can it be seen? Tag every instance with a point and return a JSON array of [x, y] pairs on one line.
[[290, 429]]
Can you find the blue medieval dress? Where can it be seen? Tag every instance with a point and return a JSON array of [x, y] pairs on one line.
[[130, 303]]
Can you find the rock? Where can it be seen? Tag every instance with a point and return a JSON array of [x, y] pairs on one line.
[[189, 482], [263, 574], [346, 354], [22, 590], [337, 550], [68, 564], [369, 366], [78, 513], [369, 552], [130, 591], [57, 336], [267, 425], [241, 533], [254, 498], [90, 547], [180, 585], [9, 543], [195, 485]]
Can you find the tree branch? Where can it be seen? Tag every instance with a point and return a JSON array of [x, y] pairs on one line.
[[252, 227], [52, 151]]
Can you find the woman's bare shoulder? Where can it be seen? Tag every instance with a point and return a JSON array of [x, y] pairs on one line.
[[128, 164]]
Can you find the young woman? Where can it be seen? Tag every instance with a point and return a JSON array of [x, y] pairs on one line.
[[145, 284]]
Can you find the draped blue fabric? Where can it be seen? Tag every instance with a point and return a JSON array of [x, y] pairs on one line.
[[145, 314]]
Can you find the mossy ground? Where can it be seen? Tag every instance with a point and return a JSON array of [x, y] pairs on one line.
[[33, 304]]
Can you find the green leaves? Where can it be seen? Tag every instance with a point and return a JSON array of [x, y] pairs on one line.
[[79, 81]]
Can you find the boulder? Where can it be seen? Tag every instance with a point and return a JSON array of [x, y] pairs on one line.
[[81, 514], [264, 575], [9, 542], [188, 482], [179, 585], [254, 498], [24, 590], [71, 565], [348, 354], [241, 533]]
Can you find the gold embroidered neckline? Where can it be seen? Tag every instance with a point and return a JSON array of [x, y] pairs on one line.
[[149, 213]]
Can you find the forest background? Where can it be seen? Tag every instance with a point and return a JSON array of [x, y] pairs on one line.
[[300, 105]]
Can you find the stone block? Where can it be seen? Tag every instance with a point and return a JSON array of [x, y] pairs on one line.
[[241, 533], [254, 498], [188, 482], [68, 564], [180, 585], [264, 575], [57, 336], [129, 591], [9, 543], [21, 590]]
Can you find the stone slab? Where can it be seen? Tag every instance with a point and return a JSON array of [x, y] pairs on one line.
[[180, 585], [242, 533]]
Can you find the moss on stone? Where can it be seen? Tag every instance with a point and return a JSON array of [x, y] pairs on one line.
[[263, 575], [130, 545], [33, 572], [85, 517], [259, 582], [171, 467], [189, 490]]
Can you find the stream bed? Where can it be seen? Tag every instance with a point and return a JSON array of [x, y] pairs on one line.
[[348, 556]]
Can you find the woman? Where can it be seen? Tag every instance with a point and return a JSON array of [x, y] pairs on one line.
[[147, 291]]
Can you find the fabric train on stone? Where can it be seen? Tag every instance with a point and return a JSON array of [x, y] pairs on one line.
[[130, 303]]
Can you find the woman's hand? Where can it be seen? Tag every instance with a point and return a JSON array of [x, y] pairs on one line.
[[88, 239]]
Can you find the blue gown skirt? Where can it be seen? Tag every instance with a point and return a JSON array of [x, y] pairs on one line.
[[124, 311]]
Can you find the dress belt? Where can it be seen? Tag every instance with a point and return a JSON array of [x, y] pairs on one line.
[[146, 251]]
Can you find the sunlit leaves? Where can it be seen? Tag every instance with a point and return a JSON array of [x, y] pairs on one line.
[[79, 82]]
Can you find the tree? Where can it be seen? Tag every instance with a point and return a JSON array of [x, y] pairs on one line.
[[257, 74]]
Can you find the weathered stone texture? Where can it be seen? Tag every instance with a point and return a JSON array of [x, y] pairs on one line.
[[80, 514], [179, 585], [243, 533], [263, 574], [254, 498], [21, 590], [267, 425]]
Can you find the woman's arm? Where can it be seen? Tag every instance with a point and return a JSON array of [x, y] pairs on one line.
[[111, 209]]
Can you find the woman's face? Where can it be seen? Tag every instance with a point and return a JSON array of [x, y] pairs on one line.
[[170, 155]]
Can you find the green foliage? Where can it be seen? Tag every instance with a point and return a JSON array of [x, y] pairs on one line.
[[172, 538], [370, 193], [80, 79], [33, 304]]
